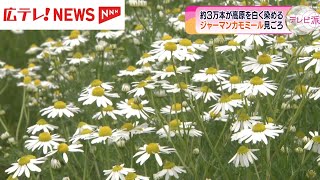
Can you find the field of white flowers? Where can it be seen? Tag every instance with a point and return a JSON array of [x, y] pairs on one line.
[[153, 102]]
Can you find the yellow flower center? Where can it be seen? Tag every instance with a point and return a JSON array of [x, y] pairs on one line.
[[25, 159], [131, 68], [49, 40], [166, 37], [185, 42], [259, 127], [152, 148], [242, 150], [170, 46], [77, 55], [182, 85], [205, 89], [234, 79], [316, 55], [117, 168], [73, 36], [264, 59], [86, 131], [211, 70], [24, 71], [42, 122], [174, 124], [27, 80], [131, 176], [170, 68], [300, 89], [63, 148], [98, 91], [176, 107], [270, 120], [138, 27], [127, 126], [149, 78], [168, 165], [37, 82], [199, 41], [316, 139], [142, 84], [136, 106], [130, 101], [243, 117], [58, 44], [31, 65], [235, 96], [33, 46], [8, 67], [281, 39], [146, 65], [105, 131], [96, 83], [233, 43], [81, 124], [146, 55], [44, 137], [214, 115], [225, 98], [108, 108], [176, 10], [264, 3], [300, 134], [59, 105], [256, 80], [181, 18]]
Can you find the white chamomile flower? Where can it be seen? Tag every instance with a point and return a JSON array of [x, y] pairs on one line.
[[250, 39], [59, 108], [109, 34], [169, 170], [210, 74], [107, 111], [313, 60], [165, 38], [263, 62], [23, 73], [164, 52], [137, 109], [44, 141], [7, 70], [280, 43], [130, 71], [205, 93], [107, 86], [33, 67], [134, 176], [178, 87], [244, 157], [171, 70], [74, 39], [104, 133], [139, 88], [99, 95], [33, 49], [27, 82], [146, 58], [300, 91], [314, 142], [225, 104], [130, 129], [207, 116], [64, 148], [49, 42], [84, 134], [83, 125], [178, 22], [41, 125], [257, 85], [200, 45], [232, 46], [118, 172], [25, 165], [259, 132], [176, 127], [234, 82], [175, 108], [152, 149], [78, 58], [316, 93], [244, 121], [58, 48]]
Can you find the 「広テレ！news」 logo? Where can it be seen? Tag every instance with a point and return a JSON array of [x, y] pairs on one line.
[[57, 15]]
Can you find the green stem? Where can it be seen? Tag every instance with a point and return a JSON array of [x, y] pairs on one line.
[[21, 113], [3, 125]]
